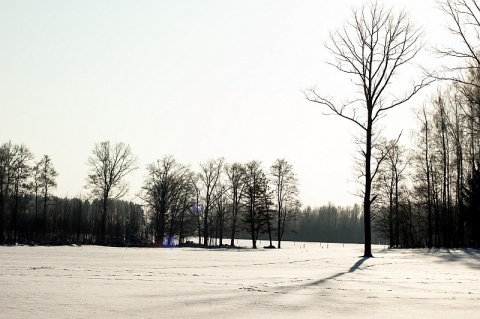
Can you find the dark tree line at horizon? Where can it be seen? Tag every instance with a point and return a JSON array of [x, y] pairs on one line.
[[218, 201], [238, 206], [245, 200], [429, 195], [330, 224]]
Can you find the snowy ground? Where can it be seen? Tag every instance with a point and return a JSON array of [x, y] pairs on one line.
[[305, 280]]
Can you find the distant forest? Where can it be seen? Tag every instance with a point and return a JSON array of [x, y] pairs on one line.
[[328, 224], [77, 221]]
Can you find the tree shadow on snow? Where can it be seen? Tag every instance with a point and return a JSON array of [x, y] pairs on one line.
[[351, 270], [469, 257]]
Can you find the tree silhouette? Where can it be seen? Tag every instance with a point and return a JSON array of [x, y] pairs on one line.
[[108, 165], [371, 48], [45, 181]]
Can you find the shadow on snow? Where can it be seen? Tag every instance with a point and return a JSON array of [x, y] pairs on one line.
[[351, 270], [469, 257]]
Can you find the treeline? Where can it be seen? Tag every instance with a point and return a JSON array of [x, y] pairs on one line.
[[76, 221], [329, 224], [429, 194], [216, 204], [217, 201]]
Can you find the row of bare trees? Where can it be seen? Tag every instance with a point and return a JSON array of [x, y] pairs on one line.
[[436, 197], [180, 202], [429, 194], [217, 202], [220, 200], [29, 212]]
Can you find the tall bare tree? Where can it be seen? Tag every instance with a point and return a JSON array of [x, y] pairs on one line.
[[391, 176], [210, 178], [108, 165], [220, 217], [35, 187], [235, 174], [255, 219], [424, 169], [371, 48], [197, 206], [285, 189], [168, 192], [45, 181], [20, 168], [7, 152]]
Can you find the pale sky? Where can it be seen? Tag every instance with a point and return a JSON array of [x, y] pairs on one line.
[[195, 79]]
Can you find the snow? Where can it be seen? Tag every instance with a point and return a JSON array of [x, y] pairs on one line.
[[301, 280]]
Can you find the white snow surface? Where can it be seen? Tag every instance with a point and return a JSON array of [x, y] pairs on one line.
[[301, 280]]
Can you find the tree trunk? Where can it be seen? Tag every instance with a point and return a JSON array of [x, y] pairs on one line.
[[252, 225], [3, 197], [45, 218], [397, 217], [180, 234], [368, 187], [429, 192], [254, 240], [390, 217], [269, 229], [35, 223], [279, 224], [2, 209], [160, 227], [220, 229], [103, 235], [234, 222], [205, 225], [15, 213]]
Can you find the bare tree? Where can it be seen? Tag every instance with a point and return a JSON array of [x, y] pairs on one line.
[[7, 152], [197, 206], [20, 168], [424, 169], [235, 173], [209, 177], [371, 48], [285, 188], [168, 192], [220, 217], [45, 181], [464, 24], [267, 211], [35, 187], [391, 176], [108, 165], [255, 220]]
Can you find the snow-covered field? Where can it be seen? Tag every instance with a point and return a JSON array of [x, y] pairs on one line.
[[301, 280]]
